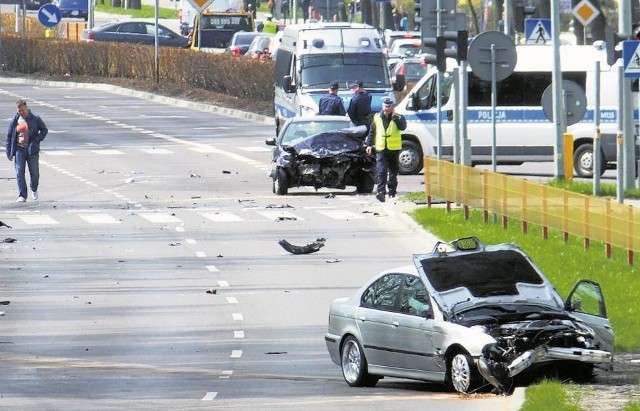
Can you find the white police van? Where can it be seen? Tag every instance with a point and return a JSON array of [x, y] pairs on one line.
[[523, 132], [312, 55]]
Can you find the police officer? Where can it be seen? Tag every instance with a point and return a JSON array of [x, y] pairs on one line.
[[360, 105], [269, 26], [385, 136], [331, 104]]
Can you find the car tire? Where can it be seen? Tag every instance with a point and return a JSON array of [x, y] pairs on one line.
[[583, 161], [366, 184], [354, 365], [280, 182], [410, 158], [463, 374]]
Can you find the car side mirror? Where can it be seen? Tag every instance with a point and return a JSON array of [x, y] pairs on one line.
[[287, 84], [411, 102], [270, 141]]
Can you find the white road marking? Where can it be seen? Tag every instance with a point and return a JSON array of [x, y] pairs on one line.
[[107, 152], [222, 217], [156, 151], [237, 316], [179, 229], [190, 241], [236, 353], [254, 149], [209, 396], [341, 214], [238, 334], [232, 300], [99, 219], [223, 283], [201, 254], [37, 219], [160, 218], [56, 152], [212, 268]]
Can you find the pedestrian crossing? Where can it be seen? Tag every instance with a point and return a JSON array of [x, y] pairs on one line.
[[118, 217]]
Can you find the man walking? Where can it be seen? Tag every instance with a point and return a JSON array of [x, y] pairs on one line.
[[331, 104], [25, 133], [385, 136]]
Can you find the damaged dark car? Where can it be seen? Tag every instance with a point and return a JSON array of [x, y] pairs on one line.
[[321, 152], [469, 315]]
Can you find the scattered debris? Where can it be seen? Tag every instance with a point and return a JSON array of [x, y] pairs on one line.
[[219, 256], [335, 260], [212, 291], [9, 240], [129, 180], [194, 175], [284, 218], [276, 352], [226, 172], [278, 206], [5, 302], [3, 224], [177, 243], [305, 249], [330, 195]]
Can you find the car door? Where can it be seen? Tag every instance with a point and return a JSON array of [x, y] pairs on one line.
[[374, 319], [133, 32], [586, 302], [414, 328]]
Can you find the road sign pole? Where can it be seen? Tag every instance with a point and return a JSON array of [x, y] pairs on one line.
[[556, 79], [596, 139], [494, 103], [620, 135], [465, 155]]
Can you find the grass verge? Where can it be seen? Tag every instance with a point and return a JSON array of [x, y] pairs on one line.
[[549, 396], [146, 12]]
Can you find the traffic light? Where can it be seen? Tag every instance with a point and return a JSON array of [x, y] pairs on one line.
[[417, 16], [439, 45], [439, 59], [612, 39]]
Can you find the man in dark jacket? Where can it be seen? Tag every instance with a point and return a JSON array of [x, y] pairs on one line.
[[331, 103], [360, 105], [25, 133]]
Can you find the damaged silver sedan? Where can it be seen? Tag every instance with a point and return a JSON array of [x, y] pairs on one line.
[[466, 315]]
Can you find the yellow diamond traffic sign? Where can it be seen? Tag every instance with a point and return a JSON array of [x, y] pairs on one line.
[[200, 5], [584, 12]]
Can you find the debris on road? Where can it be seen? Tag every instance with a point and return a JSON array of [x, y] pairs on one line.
[[305, 249]]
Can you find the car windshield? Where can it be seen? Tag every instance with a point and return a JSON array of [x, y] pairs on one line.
[[318, 71], [483, 274], [299, 130]]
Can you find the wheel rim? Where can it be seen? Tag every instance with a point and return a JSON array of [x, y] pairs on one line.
[[460, 373], [351, 362], [586, 161], [408, 160]]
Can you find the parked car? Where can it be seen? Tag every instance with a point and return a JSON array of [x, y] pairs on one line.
[[390, 36], [240, 42], [133, 31], [405, 47], [73, 8], [466, 312], [412, 68], [35, 4], [261, 46], [321, 151]]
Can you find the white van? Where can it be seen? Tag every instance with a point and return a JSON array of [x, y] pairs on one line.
[[311, 56], [523, 132]]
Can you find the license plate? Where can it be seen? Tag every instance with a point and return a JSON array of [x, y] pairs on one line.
[[75, 13]]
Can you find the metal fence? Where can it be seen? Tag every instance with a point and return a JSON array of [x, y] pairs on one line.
[[587, 217]]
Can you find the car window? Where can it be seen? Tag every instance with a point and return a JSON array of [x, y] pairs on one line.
[[414, 298], [382, 294], [136, 28]]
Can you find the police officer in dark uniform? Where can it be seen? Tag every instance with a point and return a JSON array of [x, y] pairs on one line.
[[360, 105], [331, 104]]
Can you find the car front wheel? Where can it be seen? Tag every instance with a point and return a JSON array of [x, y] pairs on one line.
[[584, 163], [410, 158], [463, 373], [354, 365], [280, 182]]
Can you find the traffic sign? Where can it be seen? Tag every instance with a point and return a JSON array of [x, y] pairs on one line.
[[631, 58], [585, 12], [49, 15], [200, 5], [575, 102], [479, 55], [537, 31]]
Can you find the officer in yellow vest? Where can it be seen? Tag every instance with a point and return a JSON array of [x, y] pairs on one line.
[[269, 26], [386, 137]]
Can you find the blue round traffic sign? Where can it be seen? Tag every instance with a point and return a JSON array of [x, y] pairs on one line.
[[49, 15]]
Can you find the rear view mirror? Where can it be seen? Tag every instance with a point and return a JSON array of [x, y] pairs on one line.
[[287, 85], [400, 83]]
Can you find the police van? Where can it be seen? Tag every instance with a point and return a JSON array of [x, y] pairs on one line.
[[523, 132], [312, 55]]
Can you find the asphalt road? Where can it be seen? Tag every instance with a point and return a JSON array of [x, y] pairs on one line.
[[148, 275]]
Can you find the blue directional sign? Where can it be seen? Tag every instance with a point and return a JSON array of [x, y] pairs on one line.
[[49, 15], [537, 31], [631, 58]]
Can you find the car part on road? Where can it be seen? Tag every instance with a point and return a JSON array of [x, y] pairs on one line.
[[305, 249]]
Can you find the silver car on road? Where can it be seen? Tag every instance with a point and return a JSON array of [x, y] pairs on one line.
[[466, 314]]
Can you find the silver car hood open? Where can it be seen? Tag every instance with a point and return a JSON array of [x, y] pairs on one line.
[[463, 278]]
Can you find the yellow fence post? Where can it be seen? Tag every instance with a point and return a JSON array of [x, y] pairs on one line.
[[568, 156]]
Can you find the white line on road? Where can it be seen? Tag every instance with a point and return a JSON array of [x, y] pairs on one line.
[[232, 300], [236, 353], [237, 316], [201, 254], [238, 334], [209, 396]]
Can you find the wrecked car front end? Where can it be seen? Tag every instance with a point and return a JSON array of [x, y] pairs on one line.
[[333, 159], [498, 290]]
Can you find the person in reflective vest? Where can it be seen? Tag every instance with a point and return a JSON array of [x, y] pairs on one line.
[[386, 137]]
